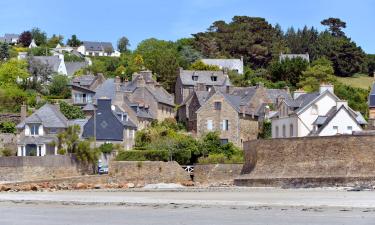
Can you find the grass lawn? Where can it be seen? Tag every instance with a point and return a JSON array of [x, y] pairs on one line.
[[358, 80]]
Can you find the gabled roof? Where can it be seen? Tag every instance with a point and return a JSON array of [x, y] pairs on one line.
[[106, 89], [273, 94], [72, 67], [48, 115], [97, 46], [52, 61], [84, 80], [204, 77]]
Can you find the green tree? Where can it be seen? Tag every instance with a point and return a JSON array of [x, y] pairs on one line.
[[315, 75], [55, 40], [12, 71], [39, 51], [39, 36], [73, 41], [200, 65], [59, 86], [4, 51], [371, 64], [69, 139], [8, 127], [40, 73], [70, 111], [335, 26], [288, 70], [162, 58], [123, 44]]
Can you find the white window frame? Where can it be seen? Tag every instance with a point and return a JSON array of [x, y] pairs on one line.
[[210, 125]]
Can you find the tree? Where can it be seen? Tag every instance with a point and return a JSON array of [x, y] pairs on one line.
[[8, 127], [288, 70], [200, 65], [25, 38], [39, 51], [12, 71], [123, 44], [321, 72], [86, 154], [302, 41], [335, 26], [59, 86], [55, 40], [73, 41], [161, 58], [371, 64], [39, 36], [251, 37], [40, 73], [71, 112], [4, 51]]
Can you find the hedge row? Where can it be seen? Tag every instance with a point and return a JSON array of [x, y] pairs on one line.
[[182, 157]]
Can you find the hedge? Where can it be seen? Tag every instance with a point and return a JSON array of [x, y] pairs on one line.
[[182, 157]]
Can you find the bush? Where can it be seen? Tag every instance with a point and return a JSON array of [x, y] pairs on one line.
[[59, 86], [8, 127], [6, 152], [143, 155], [61, 151], [106, 148], [70, 111], [222, 158]]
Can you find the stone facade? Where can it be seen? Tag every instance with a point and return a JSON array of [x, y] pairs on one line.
[[309, 161], [147, 172], [216, 173], [29, 168]]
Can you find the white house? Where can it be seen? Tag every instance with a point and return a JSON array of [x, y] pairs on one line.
[[315, 114], [93, 48], [229, 64], [10, 38]]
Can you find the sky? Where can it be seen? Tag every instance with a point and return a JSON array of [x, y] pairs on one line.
[[108, 20]]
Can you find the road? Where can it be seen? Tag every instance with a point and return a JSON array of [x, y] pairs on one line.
[[218, 206]]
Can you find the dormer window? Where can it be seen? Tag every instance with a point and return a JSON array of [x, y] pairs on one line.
[[34, 129], [213, 78], [217, 105], [194, 78]]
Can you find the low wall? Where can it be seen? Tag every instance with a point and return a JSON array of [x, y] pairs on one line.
[[309, 161], [147, 172], [29, 168], [216, 173]]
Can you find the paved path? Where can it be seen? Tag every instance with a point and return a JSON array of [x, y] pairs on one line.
[[229, 206]]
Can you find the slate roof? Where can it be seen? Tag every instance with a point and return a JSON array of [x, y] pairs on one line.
[[106, 89], [293, 56], [72, 67], [8, 38], [273, 94], [48, 115], [84, 80], [97, 46], [231, 64], [38, 140], [88, 107], [371, 98], [186, 77], [52, 61]]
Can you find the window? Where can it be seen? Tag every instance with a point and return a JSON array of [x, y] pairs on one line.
[[208, 88], [217, 105], [194, 78], [209, 125], [223, 141], [277, 131], [53, 130], [213, 78], [34, 129], [291, 133], [350, 128], [284, 131], [225, 125]]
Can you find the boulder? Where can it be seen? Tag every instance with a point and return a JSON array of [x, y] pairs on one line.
[[81, 186], [34, 187], [130, 185]]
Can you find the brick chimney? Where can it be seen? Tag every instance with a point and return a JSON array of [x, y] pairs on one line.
[[23, 113]]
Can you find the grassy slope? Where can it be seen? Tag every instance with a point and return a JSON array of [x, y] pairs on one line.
[[359, 81]]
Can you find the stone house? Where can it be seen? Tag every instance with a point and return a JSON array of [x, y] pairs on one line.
[[94, 48], [305, 57], [83, 88], [223, 113], [319, 113], [37, 134]]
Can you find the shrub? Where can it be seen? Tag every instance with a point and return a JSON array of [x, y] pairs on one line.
[[8, 127], [61, 151], [70, 111], [106, 148], [6, 152], [213, 158], [143, 155]]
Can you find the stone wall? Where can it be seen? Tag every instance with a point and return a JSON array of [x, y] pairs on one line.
[[10, 117], [147, 172], [309, 161], [8, 141], [28, 168], [216, 173]]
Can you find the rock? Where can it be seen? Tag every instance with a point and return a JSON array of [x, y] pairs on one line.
[[4, 188], [188, 183], [97, 186], [34, 187], [130, 185], [140, 185], [81, 186], [26, 187]]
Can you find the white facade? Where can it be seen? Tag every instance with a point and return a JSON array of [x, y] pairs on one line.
[[336, 117], [82, 49]]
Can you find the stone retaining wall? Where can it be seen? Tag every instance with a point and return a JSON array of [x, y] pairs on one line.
[[216, 173], [29, 168], [147, 172], [309, 161], [8, 141]]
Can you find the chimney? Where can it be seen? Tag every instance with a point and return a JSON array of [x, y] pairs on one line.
[[325, 87], [298, 93], [140, 81], [267, 112], [23, 113], [286, 88], [117, 80], [201, 87], [341, 103], [134, 76]]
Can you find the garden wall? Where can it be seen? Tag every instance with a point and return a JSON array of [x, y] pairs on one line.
[[216, 173], [309, 161]]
